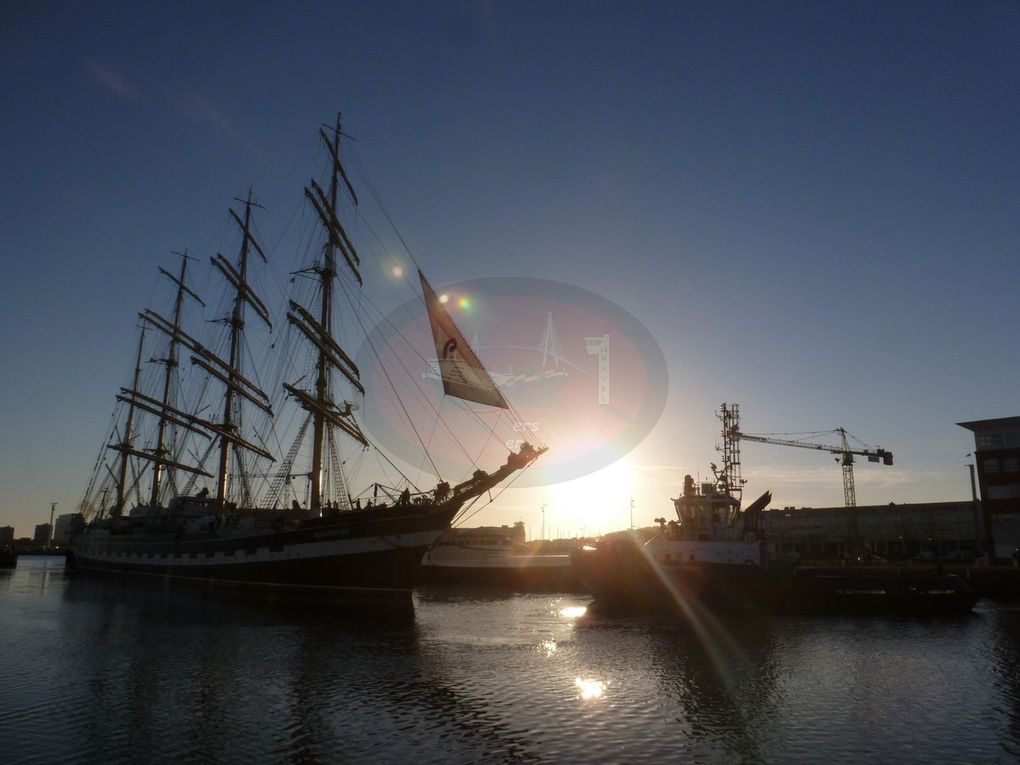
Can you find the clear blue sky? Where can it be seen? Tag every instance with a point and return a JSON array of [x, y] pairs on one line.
[[811, 206]]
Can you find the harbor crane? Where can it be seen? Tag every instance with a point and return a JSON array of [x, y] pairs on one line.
[[732, 435], [844, 455]]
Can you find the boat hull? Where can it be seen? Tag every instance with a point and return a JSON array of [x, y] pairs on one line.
[[864, 592], [623, 578], [370, 554]]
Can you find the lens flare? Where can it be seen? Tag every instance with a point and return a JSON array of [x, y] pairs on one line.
[[398, 271], [464, 303], [444, 298]]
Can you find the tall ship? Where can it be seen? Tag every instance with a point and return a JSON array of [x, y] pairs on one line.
[[233, 460]]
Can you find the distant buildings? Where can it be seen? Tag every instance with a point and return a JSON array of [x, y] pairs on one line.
[[42, 535], [6, 535], [997, 459]]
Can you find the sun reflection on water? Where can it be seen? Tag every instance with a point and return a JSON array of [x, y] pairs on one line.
[[590, 689], [573, 612], [549, 647]]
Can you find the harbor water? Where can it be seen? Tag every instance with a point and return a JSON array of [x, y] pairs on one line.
[[105, 671]]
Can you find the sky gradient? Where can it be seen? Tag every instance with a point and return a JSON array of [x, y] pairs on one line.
[[812, 207]]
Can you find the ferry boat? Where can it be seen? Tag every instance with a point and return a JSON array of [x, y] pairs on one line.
[[496, 557]]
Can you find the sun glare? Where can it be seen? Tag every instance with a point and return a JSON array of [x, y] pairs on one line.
[[398, 271], [444, 298], [594, 504], [590, 689]]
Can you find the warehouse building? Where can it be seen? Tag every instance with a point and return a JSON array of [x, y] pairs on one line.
[[936, 530]]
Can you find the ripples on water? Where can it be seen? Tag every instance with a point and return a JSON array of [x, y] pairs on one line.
[[99, 671]]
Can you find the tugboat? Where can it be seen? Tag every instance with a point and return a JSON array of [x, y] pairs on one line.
[[714, 555]]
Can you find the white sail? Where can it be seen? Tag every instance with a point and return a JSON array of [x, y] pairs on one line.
[[464, 376]]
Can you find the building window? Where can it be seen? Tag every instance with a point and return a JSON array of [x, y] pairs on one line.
[[997, 439], [989, 440], [991, 466], [1010, 465], [1010, 491]]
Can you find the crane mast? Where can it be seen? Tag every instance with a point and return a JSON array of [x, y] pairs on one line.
[[729, 414]]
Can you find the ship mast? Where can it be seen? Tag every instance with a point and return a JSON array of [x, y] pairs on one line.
[[326, 275], [319, 401], [160, 461], [234, 379], [160, 456], [128, 431]]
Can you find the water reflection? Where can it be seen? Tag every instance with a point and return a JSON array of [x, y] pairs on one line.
[[199, 678], [721, 676], [708, 689], [137, 673], [1007, 674]]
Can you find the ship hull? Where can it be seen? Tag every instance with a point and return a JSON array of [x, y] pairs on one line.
[[889, 593], [361, 555], [623, 578]]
